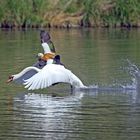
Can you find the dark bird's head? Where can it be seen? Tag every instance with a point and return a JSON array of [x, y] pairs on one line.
[[57, 57], [57, 60]]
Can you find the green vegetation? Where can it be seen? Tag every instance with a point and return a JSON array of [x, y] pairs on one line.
[[69, 13]]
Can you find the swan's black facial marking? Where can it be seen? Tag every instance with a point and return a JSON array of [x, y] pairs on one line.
[[10, 78]]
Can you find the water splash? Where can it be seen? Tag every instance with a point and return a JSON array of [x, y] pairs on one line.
[[134, 73], [133, 85]]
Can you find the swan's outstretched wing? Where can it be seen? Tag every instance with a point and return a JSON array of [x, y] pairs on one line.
[[48, 76]]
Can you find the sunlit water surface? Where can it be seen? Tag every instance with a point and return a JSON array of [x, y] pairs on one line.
[[107, 61]]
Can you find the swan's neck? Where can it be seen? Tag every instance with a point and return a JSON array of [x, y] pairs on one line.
[[16, 76]]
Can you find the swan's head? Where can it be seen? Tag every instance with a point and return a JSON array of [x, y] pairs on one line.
[[10, 79]]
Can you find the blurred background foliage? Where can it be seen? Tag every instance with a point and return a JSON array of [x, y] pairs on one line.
[[69, 13]]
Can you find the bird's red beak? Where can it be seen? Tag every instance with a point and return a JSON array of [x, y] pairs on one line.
[[10, 79]]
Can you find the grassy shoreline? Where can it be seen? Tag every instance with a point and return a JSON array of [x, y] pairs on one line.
[[69, 14]]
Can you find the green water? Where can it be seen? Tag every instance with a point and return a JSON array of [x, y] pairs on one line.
[[96, 57]]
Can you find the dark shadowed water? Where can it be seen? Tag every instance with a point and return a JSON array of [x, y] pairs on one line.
[[105, 60]]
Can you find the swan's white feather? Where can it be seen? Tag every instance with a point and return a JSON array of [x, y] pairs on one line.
[[52, 74]]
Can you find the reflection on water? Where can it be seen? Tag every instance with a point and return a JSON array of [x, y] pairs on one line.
[[46, 116], [109, 109], [83, 115]]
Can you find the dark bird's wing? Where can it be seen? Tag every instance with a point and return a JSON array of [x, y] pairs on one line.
[[44, 36]]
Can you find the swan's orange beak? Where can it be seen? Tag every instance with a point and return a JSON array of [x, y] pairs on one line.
[[10, 79]]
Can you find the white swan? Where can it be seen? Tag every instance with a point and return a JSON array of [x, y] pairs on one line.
[[34, 78]]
